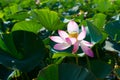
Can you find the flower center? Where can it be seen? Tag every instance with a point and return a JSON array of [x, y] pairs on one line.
[[73, 35]]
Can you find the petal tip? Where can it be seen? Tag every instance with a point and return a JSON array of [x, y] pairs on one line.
[[72, 27], [51, 37], [62, 34], [90, 54]]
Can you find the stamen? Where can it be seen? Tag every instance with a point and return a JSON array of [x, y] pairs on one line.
[[73, 35]]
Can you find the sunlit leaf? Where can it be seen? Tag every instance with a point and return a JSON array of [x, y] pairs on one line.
[[15, 74], [30, 26], [102, 5], [49, 19], [62, 54], [1, 14], [27, 4], [19, 16], [99, 20], [15, 8]]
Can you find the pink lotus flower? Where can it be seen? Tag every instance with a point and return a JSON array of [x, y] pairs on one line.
[[37, 1], [73, 37]]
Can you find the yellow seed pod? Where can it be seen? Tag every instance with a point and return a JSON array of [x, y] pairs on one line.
[[73, 35]]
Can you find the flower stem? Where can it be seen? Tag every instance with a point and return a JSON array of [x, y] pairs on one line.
[[76, 58], [88, 63], [60, 60], [98, 56]]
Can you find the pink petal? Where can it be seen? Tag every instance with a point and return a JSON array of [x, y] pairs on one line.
[[57, 39], [82, 35], [68, 40], [73, 40], [87, 43], [87, 50], [61, 46], [63, 34], [75, 47], [72, 27]]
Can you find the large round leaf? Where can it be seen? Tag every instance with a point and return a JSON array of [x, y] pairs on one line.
[[113, 29], [7, 45], [20, 16], [102, 5], [95, 33], [30, 26], [30, 46], [100, 69], [65, 72], [49, 19], [99, 20]]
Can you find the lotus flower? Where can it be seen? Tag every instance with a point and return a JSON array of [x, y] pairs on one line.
[[73, 37], [37, 1]]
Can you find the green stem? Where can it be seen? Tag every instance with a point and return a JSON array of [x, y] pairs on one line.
[[88, 63], [97, 54], [60, 60], [76, 59]]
